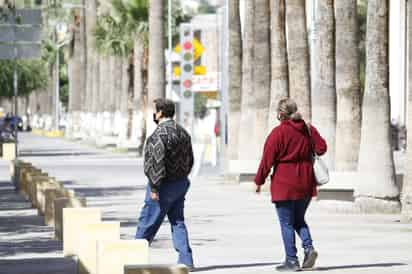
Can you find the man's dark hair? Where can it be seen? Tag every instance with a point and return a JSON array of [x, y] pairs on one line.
[[166, 106]]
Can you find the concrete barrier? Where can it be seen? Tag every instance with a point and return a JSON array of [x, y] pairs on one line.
[[9, 151], [73, 221], [24, 180], [32, 186], [59, 205], [112, 256], [52, 194], [41, 188], [156, 269], [88, 238]]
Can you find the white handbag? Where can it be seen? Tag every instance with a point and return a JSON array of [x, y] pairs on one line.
[[320, 169]]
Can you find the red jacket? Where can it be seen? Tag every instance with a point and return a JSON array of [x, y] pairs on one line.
[[287, 150]]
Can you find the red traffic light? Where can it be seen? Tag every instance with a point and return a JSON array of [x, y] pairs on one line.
[[187, 45], [187, 83]]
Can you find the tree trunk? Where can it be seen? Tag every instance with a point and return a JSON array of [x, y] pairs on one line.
[[92, 61], [257, 95], [235, 77], [298, 56], [83, 58], [378, 191], [156, 87], [407, 186], [324, 91], [246, 117], [279, 87], [348, 125], [75, 71], [139, 86]]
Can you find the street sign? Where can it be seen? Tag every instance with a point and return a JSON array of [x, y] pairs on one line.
[[23, 33], [24, 17], [24, 51], [186, 78]]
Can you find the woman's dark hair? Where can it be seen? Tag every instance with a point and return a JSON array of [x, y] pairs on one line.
[[166, 106]]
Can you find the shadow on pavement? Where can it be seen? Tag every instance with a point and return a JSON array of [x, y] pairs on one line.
[[44, 245], [327, 268], [38, 266], [217, 267], [106, 191]]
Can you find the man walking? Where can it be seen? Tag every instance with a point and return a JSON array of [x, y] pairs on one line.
[[168, 160]]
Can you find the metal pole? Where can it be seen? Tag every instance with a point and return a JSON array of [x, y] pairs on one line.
[[57, 93], [15, 87], [224, 84], [169, 17]]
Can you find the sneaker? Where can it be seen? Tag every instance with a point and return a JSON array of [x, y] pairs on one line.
[[289, 266], [310, 258]]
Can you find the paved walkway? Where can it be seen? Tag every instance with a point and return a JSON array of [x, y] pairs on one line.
[[232, 230]]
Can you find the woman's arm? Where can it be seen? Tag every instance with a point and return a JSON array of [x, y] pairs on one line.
[[268, 159], [319, 143]]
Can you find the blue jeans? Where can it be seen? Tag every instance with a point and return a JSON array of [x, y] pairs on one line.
[[171, 203], [292, 218]]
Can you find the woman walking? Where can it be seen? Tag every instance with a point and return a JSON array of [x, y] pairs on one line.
[[288, 150]]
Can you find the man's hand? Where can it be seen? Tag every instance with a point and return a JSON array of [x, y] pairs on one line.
[[258, 189], [154, 196]]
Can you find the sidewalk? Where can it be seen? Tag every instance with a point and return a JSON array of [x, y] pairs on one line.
[[232, 230]]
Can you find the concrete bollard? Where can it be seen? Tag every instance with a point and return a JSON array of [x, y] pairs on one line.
[[88, 238], [52, 194], [156, 269], [9, 151], [112, 256], [59, 205], [41, 188], [24, 173], [73, 221], [32, 186]]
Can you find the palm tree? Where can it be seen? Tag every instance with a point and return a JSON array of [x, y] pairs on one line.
[[246, 117], [235, 76], [347, 86], [280, 76], [377, 190], [156, 85], [407, 187], [298, 55], [324, 91], [256, 80]]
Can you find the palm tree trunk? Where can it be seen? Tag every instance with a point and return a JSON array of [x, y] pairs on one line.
[[83, 58], [348, 124], [92, 61], [298, 55], [156, 87], [246, 117], [324, 91], [279, 87], [256, 69], [235, 77], [407, 187], [378, 191], [138, 89]]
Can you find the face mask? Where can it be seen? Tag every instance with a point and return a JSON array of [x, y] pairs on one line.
[[155, 119]]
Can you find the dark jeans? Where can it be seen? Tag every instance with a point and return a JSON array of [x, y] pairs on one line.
[[292, 218], [171, 203]]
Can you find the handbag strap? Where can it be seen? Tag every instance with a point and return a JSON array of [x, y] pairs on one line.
[[312, 145]]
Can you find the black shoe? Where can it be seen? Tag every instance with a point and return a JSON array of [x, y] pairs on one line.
[[310, 258], [289, 266]]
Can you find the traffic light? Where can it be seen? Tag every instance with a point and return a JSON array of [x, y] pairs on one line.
[[186, 77]]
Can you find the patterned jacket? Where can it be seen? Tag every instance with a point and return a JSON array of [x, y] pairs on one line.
[[168, 154]]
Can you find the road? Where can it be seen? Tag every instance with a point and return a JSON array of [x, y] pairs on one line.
[[232, 230]]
